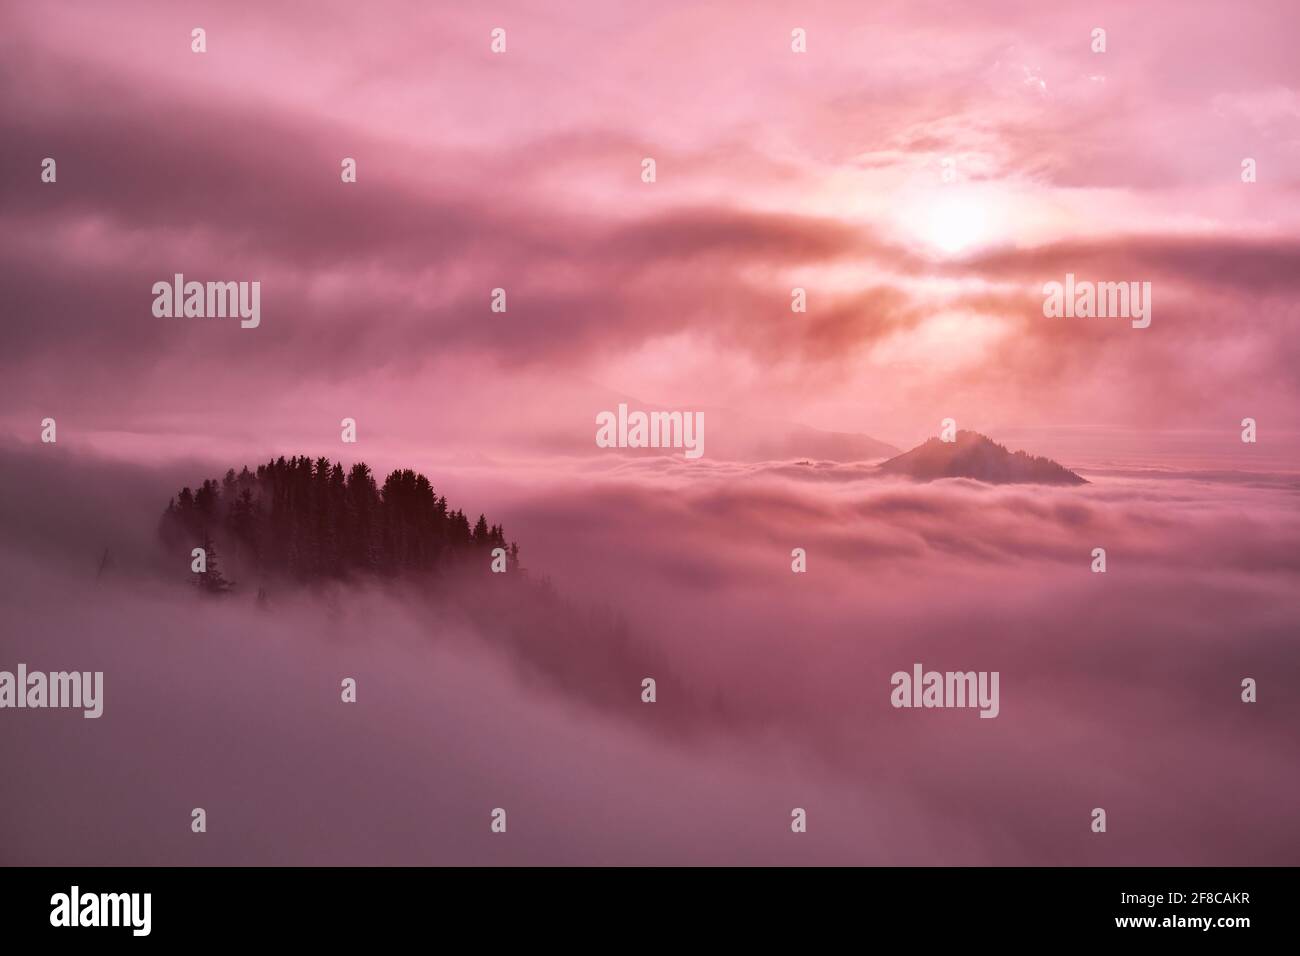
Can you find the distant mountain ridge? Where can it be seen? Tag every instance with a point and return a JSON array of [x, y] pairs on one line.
[[980, 458], [786, 441], [731, 435]]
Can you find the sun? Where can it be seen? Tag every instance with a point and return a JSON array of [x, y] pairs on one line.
[[954, 223], [954, 220]]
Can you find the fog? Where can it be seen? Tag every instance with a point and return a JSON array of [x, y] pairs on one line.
[[1119, 691]]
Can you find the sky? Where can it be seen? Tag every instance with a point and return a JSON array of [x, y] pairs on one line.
[[822, 170]]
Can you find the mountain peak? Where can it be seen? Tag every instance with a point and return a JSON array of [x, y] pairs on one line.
[[978, 457]]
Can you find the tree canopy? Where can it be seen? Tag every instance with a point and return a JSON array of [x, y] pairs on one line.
[[311, 519]]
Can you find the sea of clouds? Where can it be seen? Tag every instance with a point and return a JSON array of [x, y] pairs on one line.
[[1119, 690]]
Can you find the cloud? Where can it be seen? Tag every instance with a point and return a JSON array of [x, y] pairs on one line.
[[527, 179], [461, 713]]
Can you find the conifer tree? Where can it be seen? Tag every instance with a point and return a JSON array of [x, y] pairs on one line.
[[312, 520], [211, 581]]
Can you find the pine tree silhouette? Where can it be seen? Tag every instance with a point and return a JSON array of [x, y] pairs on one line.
[[211, 581], [311, 519]]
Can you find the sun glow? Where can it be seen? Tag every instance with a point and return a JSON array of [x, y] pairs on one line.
[[953, 223]]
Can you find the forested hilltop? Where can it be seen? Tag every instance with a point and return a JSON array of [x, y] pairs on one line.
[[311, 520]]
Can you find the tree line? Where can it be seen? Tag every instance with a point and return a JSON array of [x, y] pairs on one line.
[[312, 520]]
